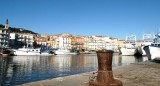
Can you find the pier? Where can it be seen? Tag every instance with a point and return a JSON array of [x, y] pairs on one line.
[[135, 74]]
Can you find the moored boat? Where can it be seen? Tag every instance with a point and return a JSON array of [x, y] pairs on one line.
[[128, 51], [153, 49], [128, 48], [63, 51], [147, 40], [30, 51]]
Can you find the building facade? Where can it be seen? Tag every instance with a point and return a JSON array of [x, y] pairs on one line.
[[4, 36], [19, 40]]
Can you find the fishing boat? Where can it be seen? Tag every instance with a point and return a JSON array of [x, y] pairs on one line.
[[128, 48], [30, 51], [153, 50], [147, 40]]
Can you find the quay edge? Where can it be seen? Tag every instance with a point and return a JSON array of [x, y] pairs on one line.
[[135, 74]]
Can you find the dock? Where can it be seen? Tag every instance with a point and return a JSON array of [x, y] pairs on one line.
[[135, 74]]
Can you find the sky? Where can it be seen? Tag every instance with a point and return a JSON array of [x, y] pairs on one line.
[[114, 18]]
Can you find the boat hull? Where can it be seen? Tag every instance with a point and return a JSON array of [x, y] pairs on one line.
[[128, 51], [141, 50], [152, 52], [147, 51], [25, 52], [61, 52]]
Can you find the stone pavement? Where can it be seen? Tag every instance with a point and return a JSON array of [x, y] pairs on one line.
[[135, 74]]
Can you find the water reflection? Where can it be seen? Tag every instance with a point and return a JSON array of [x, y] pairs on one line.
[[119, 60], [17, 70]]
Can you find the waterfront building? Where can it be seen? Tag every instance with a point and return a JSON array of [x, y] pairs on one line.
[[63, 41], [44, 39], [90, 43], [80, 42], [12, 41], [99, 42], [112, 44], [94, 43], [54, 41], [85, 43], [73, 42], [4, 36], [51, 41], [107, 43], [19, 40], [120, 43]]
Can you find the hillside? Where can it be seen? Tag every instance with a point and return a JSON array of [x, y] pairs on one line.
[[18, 30]]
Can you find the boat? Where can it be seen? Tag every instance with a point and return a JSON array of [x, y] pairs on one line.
[[128, 48], [30, 51], [153, 50], [128, 51], [63, 51], [4, 52], [147, 40]]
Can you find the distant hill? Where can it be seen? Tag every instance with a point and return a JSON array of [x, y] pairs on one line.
[[18, 30]]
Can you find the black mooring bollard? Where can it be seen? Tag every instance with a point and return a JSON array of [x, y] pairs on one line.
[[105, 75]]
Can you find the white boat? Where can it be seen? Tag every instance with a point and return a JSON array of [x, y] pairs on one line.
[[128, 48], [147, 40], [153, 50], [128, 51], [63, 51], [29, 51]]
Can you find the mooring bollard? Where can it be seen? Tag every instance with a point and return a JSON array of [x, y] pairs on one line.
[[105, 75]]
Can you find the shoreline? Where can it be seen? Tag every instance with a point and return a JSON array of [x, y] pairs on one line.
[[135, 74]]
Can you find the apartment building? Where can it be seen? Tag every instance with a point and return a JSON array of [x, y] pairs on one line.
[[19, 40], [94, 43], [80, 42], [63, 41], [4, 36]]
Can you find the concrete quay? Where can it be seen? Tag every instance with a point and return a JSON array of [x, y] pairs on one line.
[[134, 74]]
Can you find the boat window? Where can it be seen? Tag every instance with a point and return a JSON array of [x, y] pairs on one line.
[[32, 50]]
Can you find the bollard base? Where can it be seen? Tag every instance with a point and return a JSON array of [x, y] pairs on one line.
[[105, 75], [114, 83]]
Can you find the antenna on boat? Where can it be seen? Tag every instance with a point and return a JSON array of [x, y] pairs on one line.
[[158, 30], [126, 37]]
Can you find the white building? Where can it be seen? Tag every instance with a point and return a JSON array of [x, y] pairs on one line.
[[94, 43], [112, 44], [62, 41]]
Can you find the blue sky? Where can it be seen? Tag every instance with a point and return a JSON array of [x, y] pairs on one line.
[[115, 18]]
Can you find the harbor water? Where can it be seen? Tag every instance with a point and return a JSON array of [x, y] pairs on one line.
[[17, 70]]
